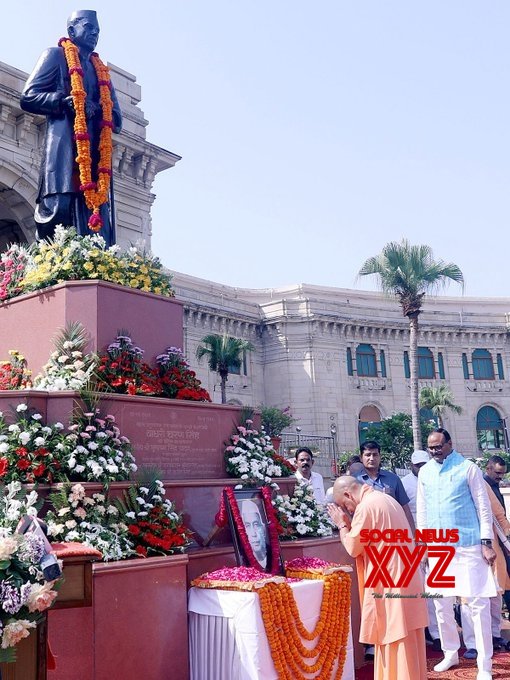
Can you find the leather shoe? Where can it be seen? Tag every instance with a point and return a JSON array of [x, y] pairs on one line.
[[450, 659], [436, 644], [470, 654], [498, 643]]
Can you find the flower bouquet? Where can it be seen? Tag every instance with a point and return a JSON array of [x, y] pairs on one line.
[[236, 578], [122, 370], [68, 368], [96, 451], [13, 263], [301, 516], [178, 381], [14, 374], [69, 257], [251, 456], [30, 451], [24, 593], [154, 526], [92, 520]]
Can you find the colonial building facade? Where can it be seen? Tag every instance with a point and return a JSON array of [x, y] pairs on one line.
[[338, 358], [341, 357]]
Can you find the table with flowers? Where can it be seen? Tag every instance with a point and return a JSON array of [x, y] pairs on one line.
[[228, 638]]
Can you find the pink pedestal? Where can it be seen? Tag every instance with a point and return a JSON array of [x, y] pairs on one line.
[[30, 322], [136, 628]]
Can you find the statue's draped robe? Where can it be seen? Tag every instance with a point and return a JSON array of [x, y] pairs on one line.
[[59, 200]]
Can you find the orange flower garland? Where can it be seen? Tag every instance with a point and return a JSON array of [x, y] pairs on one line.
[[96, 193], [284, 628]]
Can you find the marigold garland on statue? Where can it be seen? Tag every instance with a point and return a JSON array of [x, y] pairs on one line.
[[95, 193], [284, 629]]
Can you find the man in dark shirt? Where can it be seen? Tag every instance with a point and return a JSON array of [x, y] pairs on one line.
[[383, 480], [494, 473]]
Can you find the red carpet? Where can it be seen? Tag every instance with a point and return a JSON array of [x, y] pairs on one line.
[[466, 670]]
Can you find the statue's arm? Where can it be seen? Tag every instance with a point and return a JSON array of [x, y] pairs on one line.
[[43, 92], [116, 112]]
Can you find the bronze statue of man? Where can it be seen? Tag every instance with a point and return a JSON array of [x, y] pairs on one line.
[[71, 87]]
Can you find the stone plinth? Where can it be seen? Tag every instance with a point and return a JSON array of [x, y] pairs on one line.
[[136, 627], [30, 322]]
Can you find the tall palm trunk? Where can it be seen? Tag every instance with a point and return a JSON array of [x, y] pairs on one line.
[[413, 370], [223, 386]]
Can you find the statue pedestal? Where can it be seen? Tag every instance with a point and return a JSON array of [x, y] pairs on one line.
[[30, 322]]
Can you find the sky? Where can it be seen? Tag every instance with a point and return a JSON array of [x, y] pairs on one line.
[[313, 133]]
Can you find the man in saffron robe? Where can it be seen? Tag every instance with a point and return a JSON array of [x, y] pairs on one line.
[[48, 92], [392, 619]]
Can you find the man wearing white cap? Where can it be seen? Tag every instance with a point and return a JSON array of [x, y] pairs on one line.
[[410, 484], [410, 481]]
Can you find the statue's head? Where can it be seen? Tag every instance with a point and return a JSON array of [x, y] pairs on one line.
[[83, 28]]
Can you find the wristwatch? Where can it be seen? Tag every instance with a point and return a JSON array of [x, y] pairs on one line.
[[487, 542]]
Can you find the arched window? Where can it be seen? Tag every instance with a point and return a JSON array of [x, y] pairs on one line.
[[489, 429], [368, 416], [366, 364], [483, 367]]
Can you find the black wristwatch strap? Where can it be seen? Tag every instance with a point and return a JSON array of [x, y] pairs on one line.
[[487, 542]]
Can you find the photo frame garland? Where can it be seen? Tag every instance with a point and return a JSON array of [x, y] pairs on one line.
[[230, 513]]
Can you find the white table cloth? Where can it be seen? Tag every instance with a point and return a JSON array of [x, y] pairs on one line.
[[227, 636]]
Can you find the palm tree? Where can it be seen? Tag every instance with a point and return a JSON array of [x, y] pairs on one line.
[[408, 272], [223, 353], [439, 400]]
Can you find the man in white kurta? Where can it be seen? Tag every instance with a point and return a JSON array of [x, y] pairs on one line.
[[452, 495], [305, 475]]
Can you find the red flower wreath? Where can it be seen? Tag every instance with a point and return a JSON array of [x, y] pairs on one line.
[[221, 521]]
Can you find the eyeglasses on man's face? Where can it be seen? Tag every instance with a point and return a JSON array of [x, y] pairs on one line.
[[438, 447]]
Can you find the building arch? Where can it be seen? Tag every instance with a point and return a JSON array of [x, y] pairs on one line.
[[369, 416], [490, 428], [17, 201]]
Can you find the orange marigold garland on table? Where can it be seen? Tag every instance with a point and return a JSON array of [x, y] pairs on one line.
[[95, 193], [284, 629]]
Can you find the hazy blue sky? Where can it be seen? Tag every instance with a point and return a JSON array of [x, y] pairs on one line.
[[312, 133]]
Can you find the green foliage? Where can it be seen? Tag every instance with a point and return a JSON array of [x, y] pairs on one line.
[[439, 400], [395, 437], [275, 420], [482, 460], [223, 353], [409, 272]]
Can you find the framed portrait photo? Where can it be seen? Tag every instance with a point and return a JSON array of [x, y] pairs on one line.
[[254, 544]]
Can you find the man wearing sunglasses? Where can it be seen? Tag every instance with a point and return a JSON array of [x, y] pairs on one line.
[[452, 495]]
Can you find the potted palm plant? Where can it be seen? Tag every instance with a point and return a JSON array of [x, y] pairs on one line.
[[274, 420]]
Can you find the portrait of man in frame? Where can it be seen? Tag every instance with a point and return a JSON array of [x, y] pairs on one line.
[[252, 515]]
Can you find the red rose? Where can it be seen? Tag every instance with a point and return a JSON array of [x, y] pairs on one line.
[[141, 550], [4, 464], [23, 464], [21, 451], [39, 470]]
